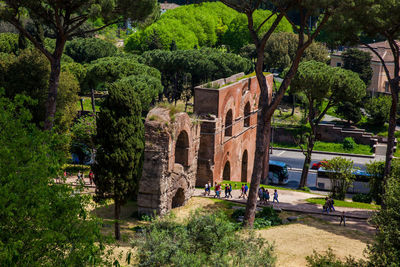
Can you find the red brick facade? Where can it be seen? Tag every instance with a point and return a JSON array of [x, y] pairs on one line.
[[228, 118]]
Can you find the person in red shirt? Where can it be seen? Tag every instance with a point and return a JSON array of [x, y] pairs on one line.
[[91, 177]]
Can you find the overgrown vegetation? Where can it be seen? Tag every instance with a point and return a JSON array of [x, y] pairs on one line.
[[204, 240], [331, 147]]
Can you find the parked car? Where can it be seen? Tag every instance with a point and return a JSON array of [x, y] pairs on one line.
[[318, 164], [278, 172]]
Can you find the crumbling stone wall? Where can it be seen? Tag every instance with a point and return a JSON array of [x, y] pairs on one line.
[[170, 161]]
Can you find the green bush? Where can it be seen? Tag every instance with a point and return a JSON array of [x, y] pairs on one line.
[[328, 259], [364, 198], [348, 143], [268, 213], [378, 109], [237, 213], [385, 250], [206, 240]]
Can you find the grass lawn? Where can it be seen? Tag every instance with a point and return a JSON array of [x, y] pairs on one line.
[[331, 147], [87, 104], [348, 204]]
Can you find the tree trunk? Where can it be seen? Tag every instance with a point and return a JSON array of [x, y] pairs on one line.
[[259, 170], [306, 165], [262, 142], [293, 104], [51, 101], [391, 131], [93, 101], [117, 211]]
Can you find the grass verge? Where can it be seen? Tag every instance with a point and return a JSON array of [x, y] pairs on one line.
[[331, 147], [347, 204]]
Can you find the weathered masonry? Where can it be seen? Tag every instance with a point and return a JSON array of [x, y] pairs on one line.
[[170, 161], [219, 144], [228, 118]]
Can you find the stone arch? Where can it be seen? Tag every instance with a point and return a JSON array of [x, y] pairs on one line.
[[226, 174], [182, 149], [228, 123], [179, 198], [245, 159], [246, 114]]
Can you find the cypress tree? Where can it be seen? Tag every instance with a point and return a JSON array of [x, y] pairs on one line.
[[120, 136]]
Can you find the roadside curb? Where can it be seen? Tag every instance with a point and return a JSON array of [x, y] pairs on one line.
[[328, 153]]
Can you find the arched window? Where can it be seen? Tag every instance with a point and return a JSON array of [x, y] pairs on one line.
[[228, 123], [226, 176], [182, 149], [247, 115], [244, 167]]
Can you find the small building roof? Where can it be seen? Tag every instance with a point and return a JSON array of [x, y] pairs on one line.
[[167, 6], [383, 49]]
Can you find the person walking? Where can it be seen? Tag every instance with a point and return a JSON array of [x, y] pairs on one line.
[[209, 187], [230, 190], [91, 175], [331, 202], [275, 197], [267, 196], [326, 206], [242, 191], [206, 189], [342, 219], [226, 191], [245, 190], [260, 194]]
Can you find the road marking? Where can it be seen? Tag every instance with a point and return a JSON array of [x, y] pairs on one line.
[[281, 153]]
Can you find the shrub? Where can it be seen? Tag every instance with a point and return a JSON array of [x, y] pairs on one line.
[[385, 250], [378, 109], [237, 213], [206, 240], [364, 198], [348, 143], [329, 259], [268, 213]]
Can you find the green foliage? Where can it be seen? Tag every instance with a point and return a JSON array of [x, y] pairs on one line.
[[378, 110], [385, 250], [28, 74], [376, 169], [364, 198], [83, 135], [360, 62], [238, 35], [280, 50], [120, 137], [85, 50], [182, 70], [188, 26], [349, 143], [9, 43], [351, 111], [206, 240], [110, 69], [42, 223], [329, 259], [341, 176], [147, 88]]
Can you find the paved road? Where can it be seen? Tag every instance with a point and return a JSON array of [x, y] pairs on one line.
[[296, 159]]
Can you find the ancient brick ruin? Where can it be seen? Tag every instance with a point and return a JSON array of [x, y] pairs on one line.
[[219, 144], [170, 161]]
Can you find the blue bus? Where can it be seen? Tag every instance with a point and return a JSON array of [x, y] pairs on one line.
[[360, 184]]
